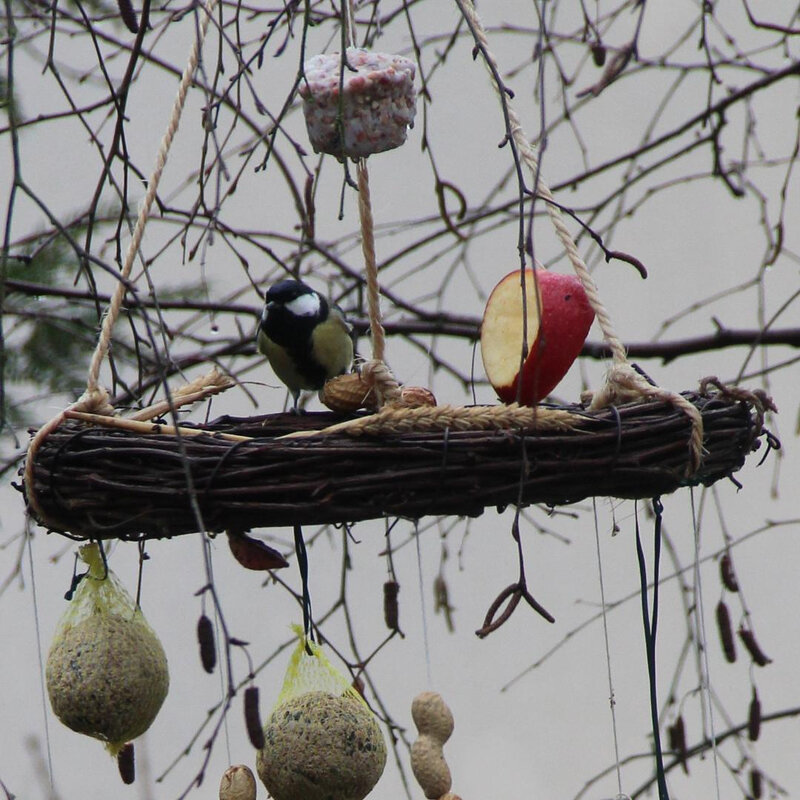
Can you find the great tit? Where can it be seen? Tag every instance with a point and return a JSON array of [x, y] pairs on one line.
[[306, 338]]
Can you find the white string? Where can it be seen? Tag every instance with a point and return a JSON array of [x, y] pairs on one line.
[[220, 638], [705, 680], [611, 698], [40, 652], [425, 640]]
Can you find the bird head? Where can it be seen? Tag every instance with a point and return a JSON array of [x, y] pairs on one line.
[[292, 311]]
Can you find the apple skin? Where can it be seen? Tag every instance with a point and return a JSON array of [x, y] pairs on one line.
[[557, 328]]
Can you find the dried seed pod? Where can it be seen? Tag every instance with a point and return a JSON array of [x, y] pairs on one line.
[[677, 742], [308, 197], [726, 632], [727, 574], [754, 717], [598, 54], [441, 601], [756, 783], [237, 783], [391, 614], [358, 685], [126, 764], [254, 554], [208, 647], [252, 717], [756, 653], [128, 15], [673, 736]]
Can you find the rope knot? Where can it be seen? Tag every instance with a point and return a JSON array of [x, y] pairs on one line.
[[625, 385], [94, 400], [377, 375]]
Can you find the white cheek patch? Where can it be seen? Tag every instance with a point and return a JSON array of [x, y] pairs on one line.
[[307, 305]]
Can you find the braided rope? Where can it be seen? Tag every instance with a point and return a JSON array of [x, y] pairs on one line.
[[114, 306], [95, 398], [622, 381], [375, 372], [400, 419], [528, 154], [371, 268]]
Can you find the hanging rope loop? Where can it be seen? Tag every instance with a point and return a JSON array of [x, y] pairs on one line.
[[622, 383], [96, 399]]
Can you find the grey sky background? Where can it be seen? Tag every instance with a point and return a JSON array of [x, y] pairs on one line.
[[549, 732]]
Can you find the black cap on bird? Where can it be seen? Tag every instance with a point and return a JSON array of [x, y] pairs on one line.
[[305, 337]]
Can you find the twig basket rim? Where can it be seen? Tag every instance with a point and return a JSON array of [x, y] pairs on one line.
[[93, 482]]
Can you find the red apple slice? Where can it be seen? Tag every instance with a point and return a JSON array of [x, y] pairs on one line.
[[559, 318]]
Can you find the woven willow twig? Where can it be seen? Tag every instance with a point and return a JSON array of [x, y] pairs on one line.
[[146, 428], [99, 482]]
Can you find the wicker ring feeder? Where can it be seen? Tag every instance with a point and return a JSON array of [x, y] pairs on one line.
[[96, 476], [97, 482]]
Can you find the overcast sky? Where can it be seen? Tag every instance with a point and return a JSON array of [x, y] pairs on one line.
[[520, 732]]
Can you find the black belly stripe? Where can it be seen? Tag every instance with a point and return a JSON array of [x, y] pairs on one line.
[[312, 371]]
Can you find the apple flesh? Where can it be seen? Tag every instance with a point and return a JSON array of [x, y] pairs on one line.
[[559, 318]]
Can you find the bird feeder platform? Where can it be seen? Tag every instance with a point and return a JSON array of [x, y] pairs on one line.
[[236, 474]]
